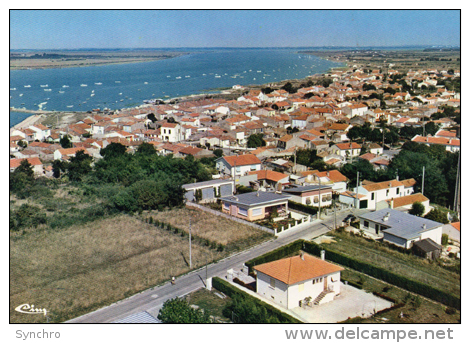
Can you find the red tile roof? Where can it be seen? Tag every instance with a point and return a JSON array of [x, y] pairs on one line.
[[242, 160], [292, 270], [268, 175], [348, 146], [15, 162]]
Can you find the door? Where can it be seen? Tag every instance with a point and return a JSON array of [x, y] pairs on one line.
[[325, 283]]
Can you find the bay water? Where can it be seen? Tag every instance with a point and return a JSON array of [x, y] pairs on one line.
[[128, 85]]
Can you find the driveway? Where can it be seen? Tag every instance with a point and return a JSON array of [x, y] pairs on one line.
[[351, 302]]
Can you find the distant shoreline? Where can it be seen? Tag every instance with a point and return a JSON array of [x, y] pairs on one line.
[[80, 60]]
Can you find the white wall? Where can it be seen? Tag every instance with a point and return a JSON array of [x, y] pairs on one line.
[[278, 294], [435, 235]]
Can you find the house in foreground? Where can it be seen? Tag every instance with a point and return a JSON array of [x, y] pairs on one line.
[[255, 205], [400, 228], [292, 281]]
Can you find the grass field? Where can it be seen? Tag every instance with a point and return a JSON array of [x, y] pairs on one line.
[[74, 270], [233, 235], [409, 266]]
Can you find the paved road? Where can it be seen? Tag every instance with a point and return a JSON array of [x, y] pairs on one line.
[[152, 300]]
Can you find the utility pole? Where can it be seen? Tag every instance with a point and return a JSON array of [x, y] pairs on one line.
[[357, 189], [190, 261], [334, 208], [422, 182], [319, 198], [457, 189]]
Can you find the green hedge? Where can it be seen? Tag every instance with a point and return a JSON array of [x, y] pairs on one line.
[[303, 208], [275, 254], [383, 274], [230, 290]]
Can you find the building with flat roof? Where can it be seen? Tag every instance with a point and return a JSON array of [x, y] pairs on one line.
[[400, 228], [255, 205]]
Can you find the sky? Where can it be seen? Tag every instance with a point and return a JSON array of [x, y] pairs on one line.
[[72, 29]]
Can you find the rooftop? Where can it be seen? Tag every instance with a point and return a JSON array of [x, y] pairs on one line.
[[255, 198], [401, 224], [295, 269]]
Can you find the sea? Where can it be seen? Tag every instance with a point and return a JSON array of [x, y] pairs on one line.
[[128, 85]]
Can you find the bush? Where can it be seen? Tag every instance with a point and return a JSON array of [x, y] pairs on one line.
[[303, 208], [445, 239], [275, 254], [238, 295]]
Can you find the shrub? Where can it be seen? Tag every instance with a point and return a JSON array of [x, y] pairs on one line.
[[238, 295]]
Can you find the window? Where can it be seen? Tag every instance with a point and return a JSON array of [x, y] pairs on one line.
[[238, 169], [257, 212], [398, 191], [366, 223], [387, 192], [243, 211], [226, 206], [272, 282], [372, 196]]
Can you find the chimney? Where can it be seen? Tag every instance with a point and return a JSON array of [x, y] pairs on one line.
[[423, 226], [391, 203], [322, 255], [257, 193], [328, 173], [302, 257], [385, 218]]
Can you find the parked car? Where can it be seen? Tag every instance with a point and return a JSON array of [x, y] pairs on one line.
[[349, 218]]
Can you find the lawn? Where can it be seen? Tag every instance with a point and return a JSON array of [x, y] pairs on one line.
[[408, 265], [416, 309]]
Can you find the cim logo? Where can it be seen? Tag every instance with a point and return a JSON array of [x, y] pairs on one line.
[[30, 309]]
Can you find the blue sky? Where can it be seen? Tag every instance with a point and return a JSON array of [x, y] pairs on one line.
[[68, 29]]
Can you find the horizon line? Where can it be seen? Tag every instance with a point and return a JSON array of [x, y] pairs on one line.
[[256, 47]]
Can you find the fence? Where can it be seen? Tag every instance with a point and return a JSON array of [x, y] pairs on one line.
[[217, 213]]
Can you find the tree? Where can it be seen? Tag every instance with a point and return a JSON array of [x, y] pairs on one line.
[[152, 117], [22, 177], [58, 167], [146, 149], [113, 150], [178, 311], [255, 140], [218, 152], [437, 216], [79, 165], [65, 142], [417, 209]]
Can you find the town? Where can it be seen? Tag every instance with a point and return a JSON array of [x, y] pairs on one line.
[[352, 177]]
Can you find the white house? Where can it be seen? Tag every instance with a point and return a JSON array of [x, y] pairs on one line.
[[171, 132], [292, 281], [237, 165], [400, 228], [346, 150], [370, 194], [40, 131]]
